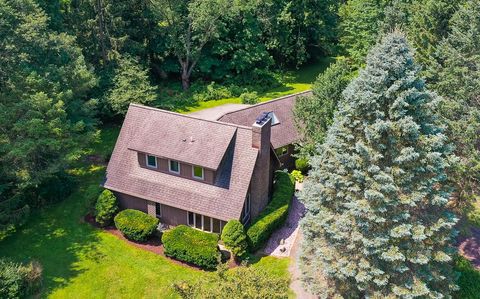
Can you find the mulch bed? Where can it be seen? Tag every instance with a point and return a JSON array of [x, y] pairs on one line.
[[154, 244], [469, 247]]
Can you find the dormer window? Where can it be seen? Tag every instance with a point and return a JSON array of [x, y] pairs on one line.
[[174, 166], [151, 161], [197, 172]]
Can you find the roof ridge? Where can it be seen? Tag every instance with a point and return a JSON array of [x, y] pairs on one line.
[[267, 102], [189, 116]]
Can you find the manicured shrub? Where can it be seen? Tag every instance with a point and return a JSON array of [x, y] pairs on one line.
[[297, 175], [234, 238], [275, 214], [135, 225], [17, 280], [302, 165], [249, 98], [106, 207], [192, 246]]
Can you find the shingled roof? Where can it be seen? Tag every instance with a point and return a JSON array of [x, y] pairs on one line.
[[144, 129], [283, 133]]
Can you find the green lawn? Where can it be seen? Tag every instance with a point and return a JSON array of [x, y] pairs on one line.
[[293, 82], [83, 262]]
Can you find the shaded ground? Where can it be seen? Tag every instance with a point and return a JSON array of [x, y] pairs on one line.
[[215, 113], [469, 247]]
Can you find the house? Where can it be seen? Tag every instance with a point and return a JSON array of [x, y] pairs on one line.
[[187, 170]]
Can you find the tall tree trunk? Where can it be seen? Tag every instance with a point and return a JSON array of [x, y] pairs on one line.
[[185, 75], [101, 33]]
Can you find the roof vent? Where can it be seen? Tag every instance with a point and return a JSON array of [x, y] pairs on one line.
[[191, 139], [262, 118]]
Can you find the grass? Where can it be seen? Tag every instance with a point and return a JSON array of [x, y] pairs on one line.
[[469, 281], [80, 261], [292, 82]]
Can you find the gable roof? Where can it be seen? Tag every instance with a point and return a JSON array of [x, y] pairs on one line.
[[182, 138], [222, 201], [283, 133]]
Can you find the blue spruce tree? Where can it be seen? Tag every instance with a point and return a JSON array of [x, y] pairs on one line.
[[377, 225]]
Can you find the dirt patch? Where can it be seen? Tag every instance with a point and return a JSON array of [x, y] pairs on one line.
[[469, 247]]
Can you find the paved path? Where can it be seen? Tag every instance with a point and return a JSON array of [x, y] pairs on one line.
[[296, 284], [216, 112]]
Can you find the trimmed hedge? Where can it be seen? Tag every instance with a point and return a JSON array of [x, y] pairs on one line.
[[135, 225], [192, 246], [106, 207], [274, 214], [234, 238]]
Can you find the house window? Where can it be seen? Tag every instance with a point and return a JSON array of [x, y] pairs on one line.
[[204, 223], [246, 209], [158, 209], [197, 172], [151, 161], [174, 166], [281, 151], [191, 218]]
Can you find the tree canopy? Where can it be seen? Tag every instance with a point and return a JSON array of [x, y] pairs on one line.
[[377, 223]]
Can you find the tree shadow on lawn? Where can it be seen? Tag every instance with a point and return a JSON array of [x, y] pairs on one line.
[[57, 237]]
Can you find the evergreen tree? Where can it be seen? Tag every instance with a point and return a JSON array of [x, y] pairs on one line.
[[314, 114], [359, 27], [458, 81], [130, 85], [377, 222]]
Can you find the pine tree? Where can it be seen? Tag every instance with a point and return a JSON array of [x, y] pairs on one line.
[[131, 85], [377, 224], [458, 81]]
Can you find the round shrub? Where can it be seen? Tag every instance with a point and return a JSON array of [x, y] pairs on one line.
[[106, 207], [234, 238], [297, 175], [249, 98], [192, 246], [135, 225], [302, 165]]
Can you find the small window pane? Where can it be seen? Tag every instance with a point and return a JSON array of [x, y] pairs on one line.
[[190, 218], [174, 166], [216, 226], [158, 209], [151, 161], [206, 223], [198, 172], [198, 221], [281, 151]]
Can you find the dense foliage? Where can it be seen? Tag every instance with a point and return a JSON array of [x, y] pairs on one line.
[[106, 207], [19, 281], [274, 214], [469, 281], [234, 238], [377, 222], [242, 282], [314, 113], [135, 225], [192, 246]]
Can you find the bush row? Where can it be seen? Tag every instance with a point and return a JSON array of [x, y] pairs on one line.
[[135, 225], [275, 214], [19, 281], [192, 246]]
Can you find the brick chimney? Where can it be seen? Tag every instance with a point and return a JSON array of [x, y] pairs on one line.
[[260, 184]]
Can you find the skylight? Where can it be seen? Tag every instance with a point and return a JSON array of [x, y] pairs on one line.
[[275, 120]]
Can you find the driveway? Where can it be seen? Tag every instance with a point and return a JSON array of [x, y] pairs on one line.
[[216, 112]]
